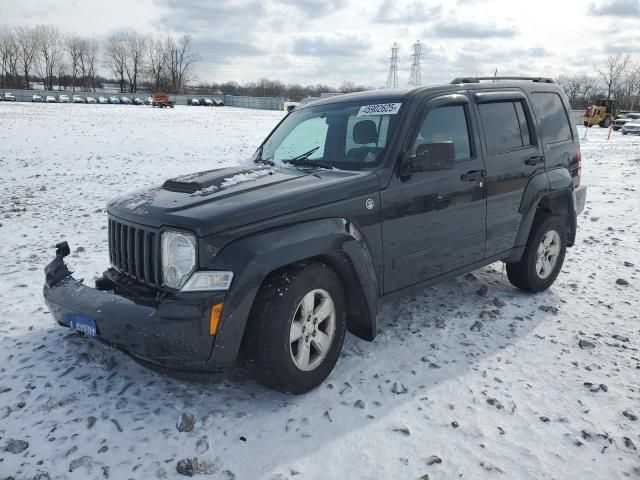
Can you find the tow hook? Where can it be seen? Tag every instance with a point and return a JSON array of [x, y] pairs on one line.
[[57, 270]]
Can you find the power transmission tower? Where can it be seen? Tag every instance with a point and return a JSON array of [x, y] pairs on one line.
[[392, 79], [415, 79]]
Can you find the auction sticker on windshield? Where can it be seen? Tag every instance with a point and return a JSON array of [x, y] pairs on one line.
[[379, 109]]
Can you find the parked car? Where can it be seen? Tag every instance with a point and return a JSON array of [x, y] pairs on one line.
[[78, 99], [138, 101], [632, 128], [273, 264], [218, 103], [193, 101], [91, 100], [622, 120], [37, 99], [62, 98], [125, 100], [9, 97], [51, 99], [114, 100], [103, 100], [148, 101], [207, 102]]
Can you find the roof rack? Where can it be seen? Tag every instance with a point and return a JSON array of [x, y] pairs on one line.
[[480, 79]]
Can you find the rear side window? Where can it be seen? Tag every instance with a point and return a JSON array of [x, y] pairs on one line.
[[505, 126], [553, 117]]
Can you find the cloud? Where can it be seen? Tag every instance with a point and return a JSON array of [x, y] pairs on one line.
[[315, 8], [214, 50], [337, 45], [194, 15], [465, 29], [391, 11], [617, 8]]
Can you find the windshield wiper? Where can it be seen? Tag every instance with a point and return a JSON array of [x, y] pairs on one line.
[[259, 158], [304, 160]]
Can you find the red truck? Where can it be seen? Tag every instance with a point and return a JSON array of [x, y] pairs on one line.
[[161, 100]]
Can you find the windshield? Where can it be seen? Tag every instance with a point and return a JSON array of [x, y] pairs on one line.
[[349, 135]]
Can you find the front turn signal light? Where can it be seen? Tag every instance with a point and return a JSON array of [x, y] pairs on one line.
[[214, 318]]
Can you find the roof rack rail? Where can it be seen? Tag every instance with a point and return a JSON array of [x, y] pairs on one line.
[[480, 79]]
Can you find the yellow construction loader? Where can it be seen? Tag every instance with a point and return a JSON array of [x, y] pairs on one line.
[[601, 114]]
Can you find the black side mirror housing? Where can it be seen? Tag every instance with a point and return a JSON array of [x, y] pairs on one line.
[[430, 157]]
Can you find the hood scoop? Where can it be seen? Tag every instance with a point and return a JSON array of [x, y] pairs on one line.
[[210, 181]]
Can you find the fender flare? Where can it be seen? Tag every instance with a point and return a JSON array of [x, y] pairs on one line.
[[334, 241], [552, 190]]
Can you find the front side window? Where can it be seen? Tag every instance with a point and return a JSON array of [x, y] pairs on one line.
[[348, 135], [446, 124], [505, 126]]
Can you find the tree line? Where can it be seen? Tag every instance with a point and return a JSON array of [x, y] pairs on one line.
[[46, 55], [618, 78]]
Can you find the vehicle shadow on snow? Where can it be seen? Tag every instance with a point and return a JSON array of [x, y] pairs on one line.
[[424, 339]]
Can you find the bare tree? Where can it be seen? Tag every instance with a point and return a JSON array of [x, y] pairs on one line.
[[89, 59], [116, 57], [49, 45], [135, 47], [8, 58], [74, 46], [26, 42], [156, 60], [614, 70], [180, 59]]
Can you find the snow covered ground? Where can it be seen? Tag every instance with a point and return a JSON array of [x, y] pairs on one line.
[[544, 386]]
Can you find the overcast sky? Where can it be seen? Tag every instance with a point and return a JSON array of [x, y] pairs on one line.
[[329, 41]]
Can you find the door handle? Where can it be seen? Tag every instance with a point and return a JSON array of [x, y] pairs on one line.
[[534, 160], [473, 175]]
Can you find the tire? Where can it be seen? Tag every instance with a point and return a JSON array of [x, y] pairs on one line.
[[605, 123], [527, 273], [587, 124], [273, 359]]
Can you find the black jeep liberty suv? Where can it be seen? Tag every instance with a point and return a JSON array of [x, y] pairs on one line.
[[350, 201]]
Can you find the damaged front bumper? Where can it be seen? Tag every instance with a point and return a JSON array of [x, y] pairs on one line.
[[171, 331]]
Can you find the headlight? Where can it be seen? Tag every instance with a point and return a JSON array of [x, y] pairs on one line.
[[178, 258]]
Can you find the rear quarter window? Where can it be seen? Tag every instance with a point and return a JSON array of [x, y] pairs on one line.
[[552, 116]]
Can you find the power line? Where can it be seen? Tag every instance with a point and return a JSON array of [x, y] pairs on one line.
[[392, 79], [415, 79]]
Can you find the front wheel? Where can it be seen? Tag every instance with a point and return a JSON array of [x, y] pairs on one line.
[[297, 328], [543, 255]]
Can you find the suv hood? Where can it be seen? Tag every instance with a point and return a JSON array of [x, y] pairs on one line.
[[217, 200]]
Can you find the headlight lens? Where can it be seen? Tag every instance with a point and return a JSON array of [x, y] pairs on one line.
[[178, 258]]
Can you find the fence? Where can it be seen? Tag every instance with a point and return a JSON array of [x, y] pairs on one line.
[[263, 103]]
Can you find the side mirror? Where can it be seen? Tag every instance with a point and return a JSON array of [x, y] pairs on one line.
[[430, 157]]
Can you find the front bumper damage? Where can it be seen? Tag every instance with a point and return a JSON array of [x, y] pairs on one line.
[[170, 331]]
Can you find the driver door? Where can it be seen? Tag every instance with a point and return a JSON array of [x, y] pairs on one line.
[[434, 222]]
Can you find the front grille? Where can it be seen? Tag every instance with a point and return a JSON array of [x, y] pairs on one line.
[[135, 251]]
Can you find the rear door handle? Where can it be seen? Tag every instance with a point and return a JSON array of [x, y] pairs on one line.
[[534, 160], [473, 175]]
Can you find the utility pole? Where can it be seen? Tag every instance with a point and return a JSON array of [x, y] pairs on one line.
[[415, 79], [392, 79]]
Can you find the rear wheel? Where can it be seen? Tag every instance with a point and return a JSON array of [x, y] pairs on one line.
[[605, 123], [587, 124], [296, 329], [543, 255]]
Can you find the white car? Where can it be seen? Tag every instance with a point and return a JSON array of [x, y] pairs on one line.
[[37, 99], [51, 99], [632, 128], [125, 100], [9, 97], [103, 100], [91, 100], [619, 122], [78, 99], [64, 98]]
